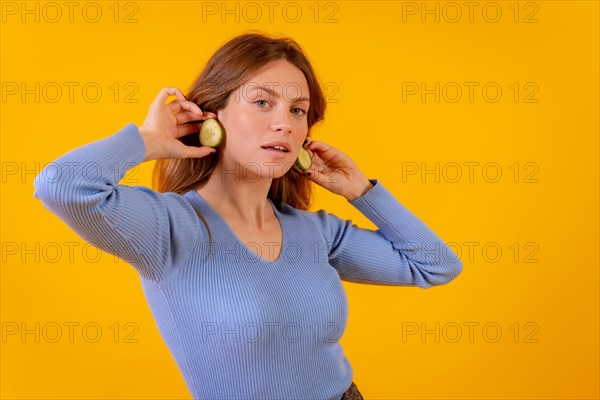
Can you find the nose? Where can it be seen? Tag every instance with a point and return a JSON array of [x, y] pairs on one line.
[[282, 122]]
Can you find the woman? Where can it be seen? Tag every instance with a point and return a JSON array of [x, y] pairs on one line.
[[243, 281]]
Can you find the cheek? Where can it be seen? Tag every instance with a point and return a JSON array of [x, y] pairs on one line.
[[302, 126], [301, 130], [241, 119]]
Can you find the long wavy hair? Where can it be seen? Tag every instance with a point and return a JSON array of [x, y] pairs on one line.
[[228, 68]]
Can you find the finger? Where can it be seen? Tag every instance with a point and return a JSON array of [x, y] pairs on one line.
[[165, 93], [207, 114], [318, 146], [191, 106], [324, 151], [308, 174], [194, 152], [313, 174], [186, 116], [174, 106], [186, 129], [316, 161]]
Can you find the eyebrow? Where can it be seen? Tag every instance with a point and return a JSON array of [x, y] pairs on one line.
[[276, 95]]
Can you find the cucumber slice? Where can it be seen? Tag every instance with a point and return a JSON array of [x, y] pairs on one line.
[[304, 160], [211, 133]]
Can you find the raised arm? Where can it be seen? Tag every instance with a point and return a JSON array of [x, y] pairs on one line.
[[403, 250], [152, 231]]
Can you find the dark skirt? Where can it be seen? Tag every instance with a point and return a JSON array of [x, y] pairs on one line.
[[352, 393]]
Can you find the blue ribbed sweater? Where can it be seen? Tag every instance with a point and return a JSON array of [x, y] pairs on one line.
[[238, 326]]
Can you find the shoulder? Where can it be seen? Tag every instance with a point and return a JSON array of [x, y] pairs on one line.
[[327, 223], [306, 215]]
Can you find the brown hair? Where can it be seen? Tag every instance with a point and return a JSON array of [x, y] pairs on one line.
[[228, 68]]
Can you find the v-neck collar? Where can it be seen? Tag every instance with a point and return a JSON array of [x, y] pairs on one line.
[[195, 195]]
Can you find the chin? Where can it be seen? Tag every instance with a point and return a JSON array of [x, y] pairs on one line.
[[278, 171], [264, 169]]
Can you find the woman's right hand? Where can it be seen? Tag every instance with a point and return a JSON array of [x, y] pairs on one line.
[[166, 123]]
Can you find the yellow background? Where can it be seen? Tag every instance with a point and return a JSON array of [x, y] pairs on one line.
[[364, 58]]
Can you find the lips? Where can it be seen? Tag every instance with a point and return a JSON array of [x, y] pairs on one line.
[[274, 149], [277, 146]]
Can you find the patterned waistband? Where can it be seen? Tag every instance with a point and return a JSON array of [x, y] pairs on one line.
[[352, 393]]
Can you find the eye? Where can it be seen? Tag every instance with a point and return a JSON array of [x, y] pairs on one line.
[[299, 111], [261, 101]]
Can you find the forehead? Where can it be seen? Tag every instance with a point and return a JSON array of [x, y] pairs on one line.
[[280, 76]]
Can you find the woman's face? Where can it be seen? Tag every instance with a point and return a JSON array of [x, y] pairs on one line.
[[270, 107]]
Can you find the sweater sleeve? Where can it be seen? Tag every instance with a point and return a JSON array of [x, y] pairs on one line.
[[402, 252], [154, 232]]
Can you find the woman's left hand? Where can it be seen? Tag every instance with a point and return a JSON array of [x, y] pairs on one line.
[[335, 171]]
